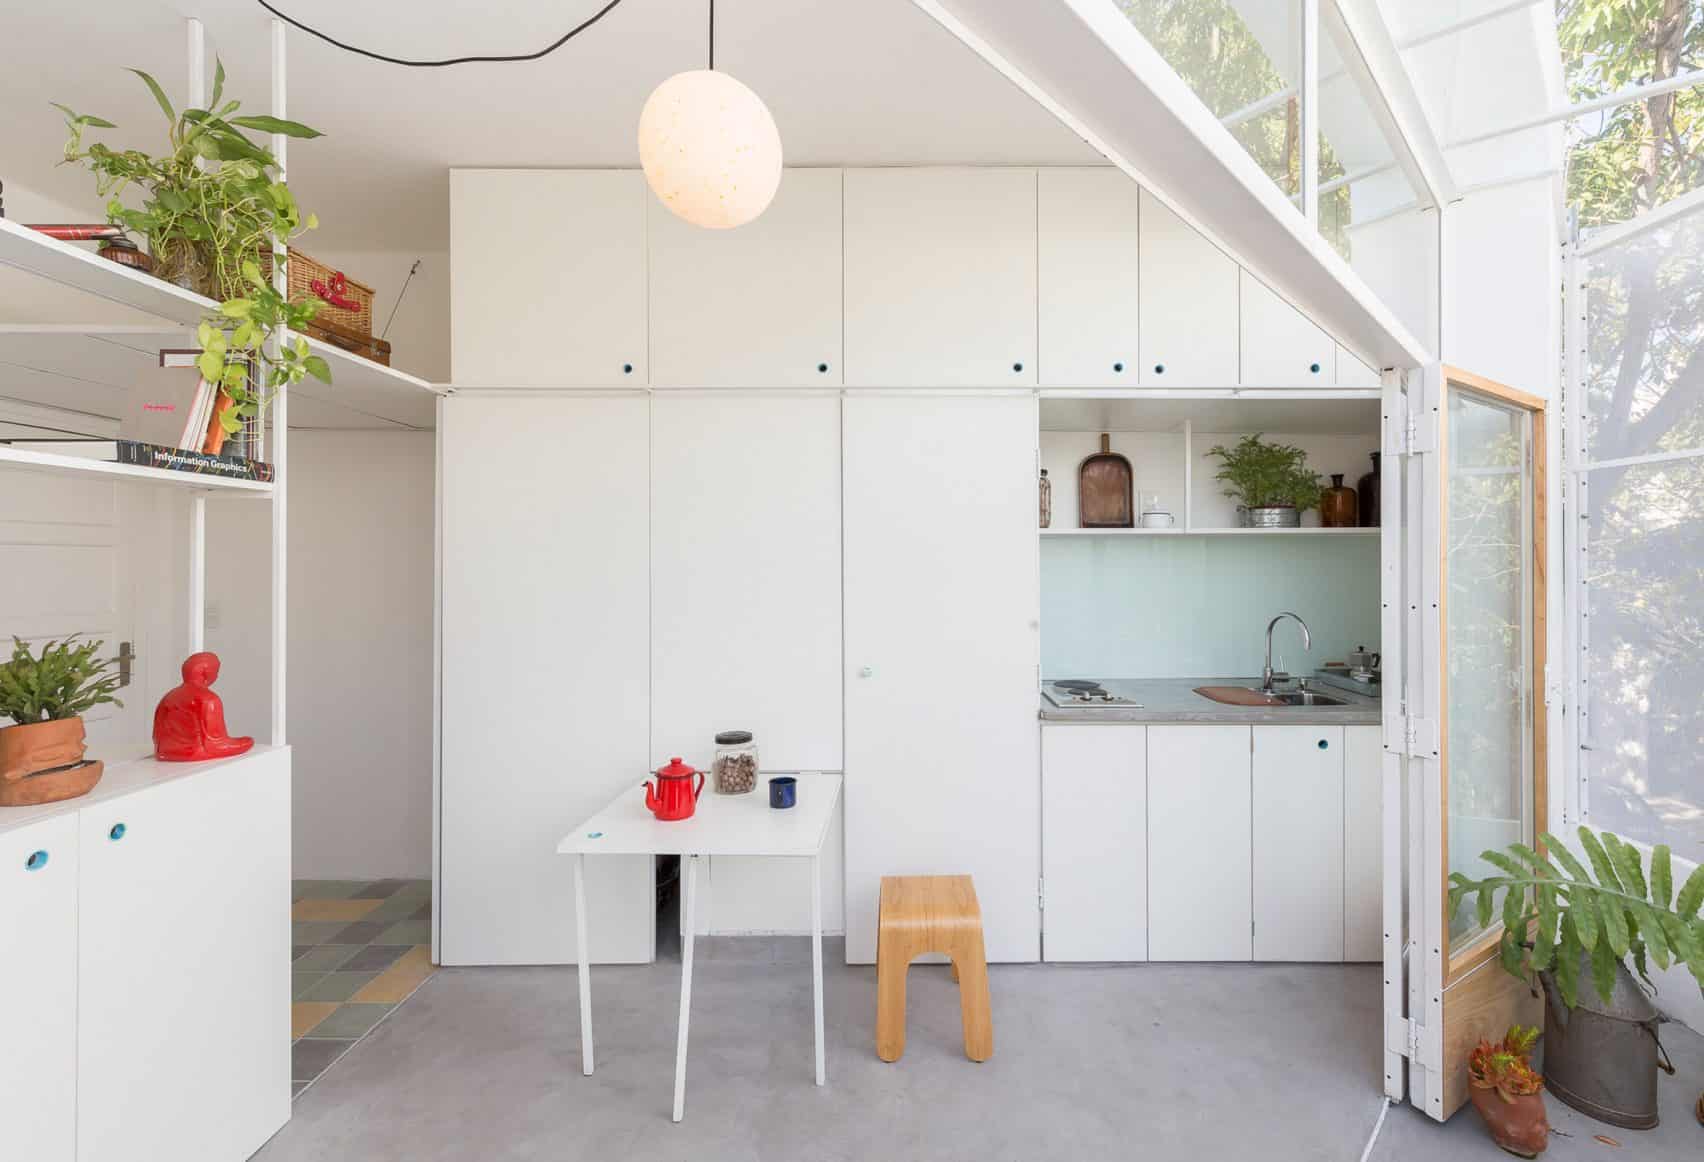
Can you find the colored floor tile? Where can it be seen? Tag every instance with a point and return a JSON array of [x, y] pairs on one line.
[[359, 949]]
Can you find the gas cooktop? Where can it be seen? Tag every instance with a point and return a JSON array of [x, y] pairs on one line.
[[1082, 692]]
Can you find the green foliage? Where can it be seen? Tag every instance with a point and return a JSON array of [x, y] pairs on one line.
[[211, 206], [1506, 1066], [67, 680], [1554, 909], [1262, 475]]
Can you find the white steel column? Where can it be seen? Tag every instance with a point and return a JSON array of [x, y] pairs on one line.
[[197, 573], [280, 430], [197, 37], [1392, 762], [1309, 118]]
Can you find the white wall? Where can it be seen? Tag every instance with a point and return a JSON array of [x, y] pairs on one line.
[[360, 643]]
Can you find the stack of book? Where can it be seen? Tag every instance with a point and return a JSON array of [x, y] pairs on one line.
[[173, 421]]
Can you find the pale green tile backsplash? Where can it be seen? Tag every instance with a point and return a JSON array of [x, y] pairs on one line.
[[1197, 607]]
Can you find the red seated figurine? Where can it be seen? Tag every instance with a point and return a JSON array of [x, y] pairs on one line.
[[189, 723]]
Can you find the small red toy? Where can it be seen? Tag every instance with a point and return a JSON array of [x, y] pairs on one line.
[[189, 722]]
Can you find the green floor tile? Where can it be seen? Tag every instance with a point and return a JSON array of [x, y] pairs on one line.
[[350, 1021], [301, 982], [325, 889], [325, 958], [336, 986], [395, 909], [315, 931], [415, 890], [407, 932]]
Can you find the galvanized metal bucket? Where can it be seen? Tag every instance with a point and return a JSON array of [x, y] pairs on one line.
[[1602, 1058], [1273, 517]]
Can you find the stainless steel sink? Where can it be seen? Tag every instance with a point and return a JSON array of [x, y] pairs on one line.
[[1256, 697], [1305, 698]]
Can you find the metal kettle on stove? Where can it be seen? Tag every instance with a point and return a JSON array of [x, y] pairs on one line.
[[673, 796]]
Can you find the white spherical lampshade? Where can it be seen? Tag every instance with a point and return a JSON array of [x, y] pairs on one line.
[[710, 149]]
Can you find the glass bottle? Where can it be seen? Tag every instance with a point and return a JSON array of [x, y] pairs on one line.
[[1368, 487], [1338, 505]]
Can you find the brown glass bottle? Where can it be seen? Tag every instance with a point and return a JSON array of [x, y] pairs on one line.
[[1338, 505], [1369, 490]]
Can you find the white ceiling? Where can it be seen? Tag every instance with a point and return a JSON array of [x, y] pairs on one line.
[[850, 82]]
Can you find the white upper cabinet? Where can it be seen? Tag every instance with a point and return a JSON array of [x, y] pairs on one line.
[[1087, 252], [1187, 288], [1281, 347], [1351, 372], [940, 277], [758, 306], [547, 283]]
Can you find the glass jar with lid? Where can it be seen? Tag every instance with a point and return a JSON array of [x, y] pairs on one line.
[[734, 771]]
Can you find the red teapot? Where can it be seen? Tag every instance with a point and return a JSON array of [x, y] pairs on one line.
[[674, 796]]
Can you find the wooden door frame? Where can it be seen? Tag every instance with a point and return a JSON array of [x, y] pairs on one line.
[[1460, 963]]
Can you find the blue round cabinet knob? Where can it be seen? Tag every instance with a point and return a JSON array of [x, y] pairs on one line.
[[117, 832], [36, 861]]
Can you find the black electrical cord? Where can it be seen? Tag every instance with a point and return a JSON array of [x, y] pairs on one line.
[[460, 60]]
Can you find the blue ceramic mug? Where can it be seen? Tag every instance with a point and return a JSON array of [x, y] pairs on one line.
[[783, 791]]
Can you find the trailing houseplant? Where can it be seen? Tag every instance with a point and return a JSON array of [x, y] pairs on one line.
[[1505, 1088], [211, 205], [1262, 475], [41, 757]]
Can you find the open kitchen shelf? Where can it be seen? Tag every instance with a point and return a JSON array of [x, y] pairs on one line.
[[82, 466], [1175, 532]]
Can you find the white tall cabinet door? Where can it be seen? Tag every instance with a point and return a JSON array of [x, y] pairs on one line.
[[1187, 288], [1087, 252], [745, 613], [546, 653], [1351, 372], [38, 990], [1363, 843], [1094, 841], [942, 601], [940, 277], [1199, 812], [1298, 843], [754, 307], [548, 278], [1281, 347], [183, 979]]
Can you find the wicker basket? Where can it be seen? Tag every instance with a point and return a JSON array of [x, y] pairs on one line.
[[306, 270]]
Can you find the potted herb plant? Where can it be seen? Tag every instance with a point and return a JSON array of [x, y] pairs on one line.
[[1563, 920], [41, 757], [1271, 483], [1505, 1090], [212, 204]]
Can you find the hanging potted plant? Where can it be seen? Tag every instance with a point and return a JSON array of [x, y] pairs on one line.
[[1505, 1091], [1271, 483], [212, 204], [41, 757]]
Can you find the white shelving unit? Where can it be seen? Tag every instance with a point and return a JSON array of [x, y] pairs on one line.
[[1166, 438]]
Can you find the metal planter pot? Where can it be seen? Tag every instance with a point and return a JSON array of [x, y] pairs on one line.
[[1273, 517], [1602, 1057]]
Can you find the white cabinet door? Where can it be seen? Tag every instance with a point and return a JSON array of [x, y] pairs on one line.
[[1281, 347], [1351, 372], [940, 277], [1087, 252], [547, 285], [745, 613], [754, 307], [942, 601], [1363, 843], [1298, 843], [1094, 841], [1199, 902], [38, 991], [546, 659], [1188, 293], [183, 1030]]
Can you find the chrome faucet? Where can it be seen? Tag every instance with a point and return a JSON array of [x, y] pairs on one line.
[[1307, 644]]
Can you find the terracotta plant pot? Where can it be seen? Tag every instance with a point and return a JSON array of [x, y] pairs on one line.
[[42, 762], [1520, 1126]]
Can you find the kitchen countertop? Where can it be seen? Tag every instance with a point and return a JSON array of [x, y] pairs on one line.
[[1175, 700]]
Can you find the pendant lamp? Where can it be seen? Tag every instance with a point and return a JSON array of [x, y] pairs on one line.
[[709, 147]]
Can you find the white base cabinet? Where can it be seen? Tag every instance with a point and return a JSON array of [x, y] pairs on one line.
[[1363, 843], [1298, 842], [1094, 842], [1199, 830], [149, 1013]]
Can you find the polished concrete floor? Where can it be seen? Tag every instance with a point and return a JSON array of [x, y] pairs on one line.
[[1103, 1062]]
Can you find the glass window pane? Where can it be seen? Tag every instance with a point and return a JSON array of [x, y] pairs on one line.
[[1644, 372], [1241, 58], [1644, 655], [1360, 182], [1487, 637]]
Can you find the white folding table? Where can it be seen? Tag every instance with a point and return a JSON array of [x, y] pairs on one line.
[[721, 825]]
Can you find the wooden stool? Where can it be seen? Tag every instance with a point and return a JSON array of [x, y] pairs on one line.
[[931, 914]]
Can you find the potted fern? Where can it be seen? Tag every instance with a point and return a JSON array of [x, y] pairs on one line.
[[1504, 1088], [1271, 483], [41, 757]]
